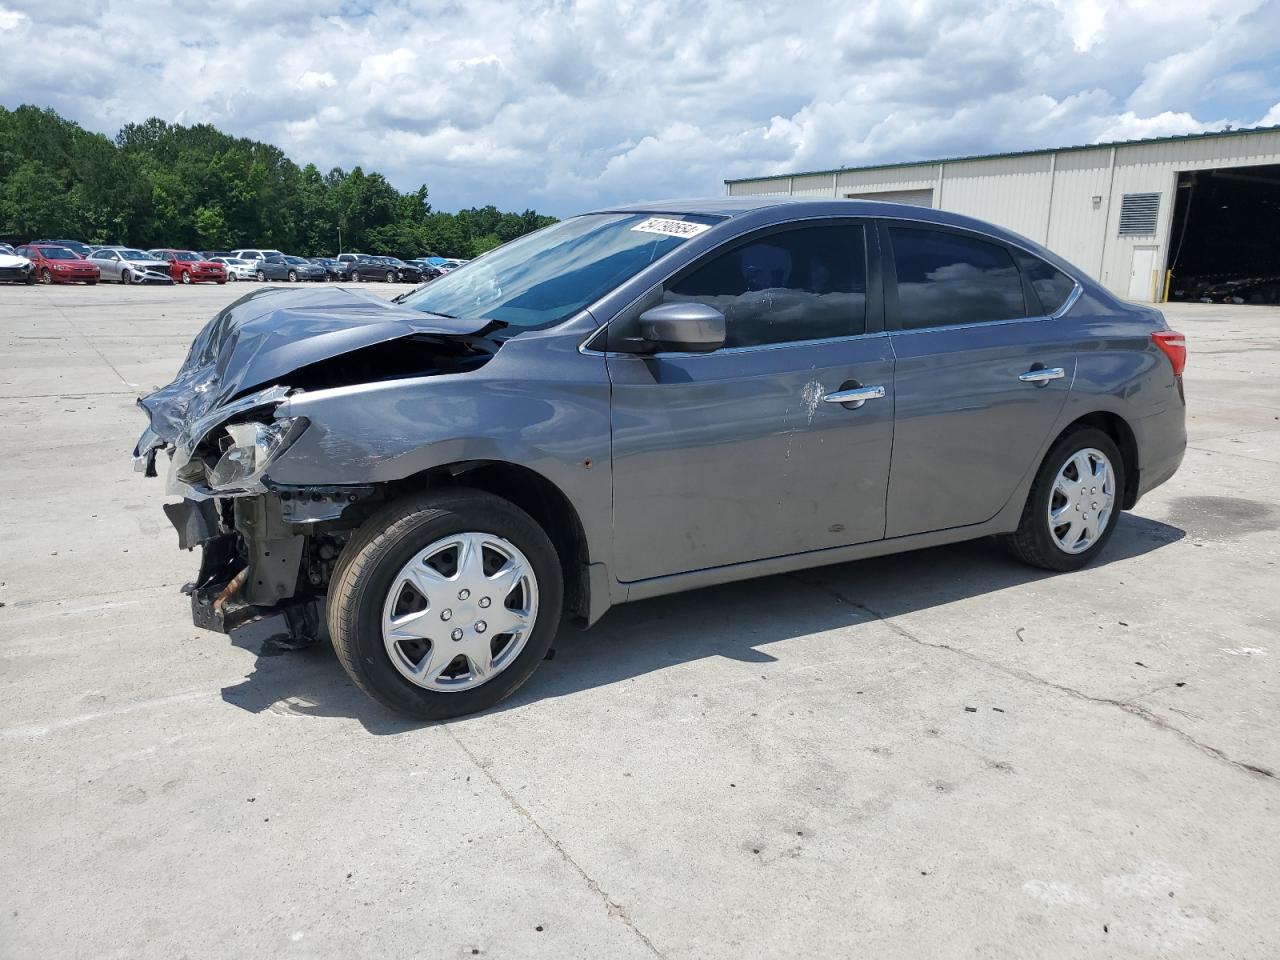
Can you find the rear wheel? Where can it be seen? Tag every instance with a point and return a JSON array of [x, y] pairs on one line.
[[443, 604], [1074, 503], [232, 278]]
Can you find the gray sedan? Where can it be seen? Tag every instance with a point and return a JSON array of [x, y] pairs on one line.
[[127, 265], [644, 400]]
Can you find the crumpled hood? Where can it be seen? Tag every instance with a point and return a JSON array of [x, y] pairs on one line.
[[266, 335], [11, 260]]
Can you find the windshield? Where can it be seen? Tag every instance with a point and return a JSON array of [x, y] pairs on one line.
[[135, 255], [57, 253], [547, 276], [186, 256], [297, 260]]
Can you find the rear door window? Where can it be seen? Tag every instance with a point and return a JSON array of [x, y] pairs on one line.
[[809, 283], [949, 279]]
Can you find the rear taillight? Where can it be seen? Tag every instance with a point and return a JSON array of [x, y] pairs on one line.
[[1174, 346]]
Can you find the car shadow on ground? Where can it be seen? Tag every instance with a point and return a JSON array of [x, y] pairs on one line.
[[748, 621]]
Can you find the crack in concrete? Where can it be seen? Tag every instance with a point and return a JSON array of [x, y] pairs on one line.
[[93, 346], [612, 907], [1128, 706]]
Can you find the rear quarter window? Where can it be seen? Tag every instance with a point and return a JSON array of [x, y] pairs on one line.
[[1051, 285]]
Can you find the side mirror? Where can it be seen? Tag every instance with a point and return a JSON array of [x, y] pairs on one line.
[[692, 327]]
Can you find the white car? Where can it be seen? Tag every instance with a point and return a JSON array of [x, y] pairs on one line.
[[237, 268], [255, 254], [13, 268]]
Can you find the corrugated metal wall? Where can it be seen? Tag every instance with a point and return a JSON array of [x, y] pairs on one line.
[[1068, 200]]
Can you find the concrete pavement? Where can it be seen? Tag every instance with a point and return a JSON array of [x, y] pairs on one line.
[[941, 754]]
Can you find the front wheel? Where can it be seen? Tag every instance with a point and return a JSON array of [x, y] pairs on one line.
[[293, 276], [262, 277], [1074, 503], [126, 277], [391, 277], [46, 275], [186, 276], [445, 603]]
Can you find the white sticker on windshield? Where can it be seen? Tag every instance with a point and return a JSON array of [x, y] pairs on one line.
[[671, 228]]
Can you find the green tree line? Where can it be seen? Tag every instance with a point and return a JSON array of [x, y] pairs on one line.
[[162, 184]]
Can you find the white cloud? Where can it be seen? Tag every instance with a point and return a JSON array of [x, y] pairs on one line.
[[11, 19], [563, 105]]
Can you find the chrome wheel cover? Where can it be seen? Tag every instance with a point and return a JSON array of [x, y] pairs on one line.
[[1081, 501], [460, 612]]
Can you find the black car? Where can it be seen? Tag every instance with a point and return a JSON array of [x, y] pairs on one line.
[[75, 246], [429, 271], [405, 272], [335, 269], [362, 266]]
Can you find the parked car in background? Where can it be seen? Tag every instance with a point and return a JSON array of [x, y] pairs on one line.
[[405, 272], [273, 267], [303, 269], [55, 264], [255, 254], [366, 267], [332, 267], [127, 265], [428, 484], [75, 246], [15, 269], [428, 270], [187, 266], [236, 268]]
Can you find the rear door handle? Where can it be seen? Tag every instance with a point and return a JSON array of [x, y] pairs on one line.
[[855, 397], [1043, 375]]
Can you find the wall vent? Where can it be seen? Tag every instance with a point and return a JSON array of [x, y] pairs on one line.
[[1138, 213]]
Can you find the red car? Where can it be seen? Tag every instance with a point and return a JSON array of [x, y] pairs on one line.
[[56, 264], [187, 266]]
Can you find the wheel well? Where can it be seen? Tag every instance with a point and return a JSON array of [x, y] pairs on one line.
[[1121, 433], [536, 496]]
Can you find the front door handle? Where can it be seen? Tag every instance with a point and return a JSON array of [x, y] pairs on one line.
[[856, 397], [1043, 375]]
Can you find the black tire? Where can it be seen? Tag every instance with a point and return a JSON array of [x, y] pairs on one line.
[[31, 279], [126, 277], [232, 278], [46, 276], [375, 555], [262, 277], [1033, 542], [293, 277], [186, 276], [391, 277]]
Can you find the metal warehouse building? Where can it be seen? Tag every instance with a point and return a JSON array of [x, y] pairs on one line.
[[1195, 216]]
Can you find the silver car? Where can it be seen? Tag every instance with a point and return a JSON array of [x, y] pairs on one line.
[[127, 265], [644, 400]]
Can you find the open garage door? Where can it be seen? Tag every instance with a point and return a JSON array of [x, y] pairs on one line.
[[1225, 240], [917, 198]]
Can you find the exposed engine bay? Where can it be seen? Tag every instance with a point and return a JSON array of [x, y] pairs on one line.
[[270, 548]]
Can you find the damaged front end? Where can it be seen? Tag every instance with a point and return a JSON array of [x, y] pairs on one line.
[[270, 548]]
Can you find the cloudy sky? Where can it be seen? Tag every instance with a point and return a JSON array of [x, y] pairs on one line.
[[564, 105]]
